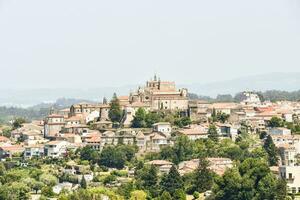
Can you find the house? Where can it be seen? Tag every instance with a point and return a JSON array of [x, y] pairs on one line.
[[10, 150], [292, 176], [217, 165], [34, 151], [71, 138], [163, 127], [280, 131], [64, 186], [53, 125], [4, 139], [163, 166], [92, 116], [93, 140], [195, 132], [228, 130], [74, 120], [226, 108], [141, 140], [157, 140], [55, 149], [103, 124]]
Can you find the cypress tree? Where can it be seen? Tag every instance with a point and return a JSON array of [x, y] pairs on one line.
[[172, 181], [83, 183], [271, 150]]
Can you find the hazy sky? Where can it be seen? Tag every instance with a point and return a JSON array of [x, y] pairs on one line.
[[95, 43]]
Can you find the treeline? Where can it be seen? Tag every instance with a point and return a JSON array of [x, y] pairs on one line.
[[39, 111], [270, 95]]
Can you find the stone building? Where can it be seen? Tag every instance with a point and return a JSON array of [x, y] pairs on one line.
[[53, 125], [161, 95]]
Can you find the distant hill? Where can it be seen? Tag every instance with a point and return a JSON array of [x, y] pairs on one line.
[[272, 81], [264, 82], [30, 97], [38, 111]]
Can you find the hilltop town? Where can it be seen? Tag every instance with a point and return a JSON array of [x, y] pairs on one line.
[[155, 143]]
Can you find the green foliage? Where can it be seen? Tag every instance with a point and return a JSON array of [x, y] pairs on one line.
[[126, 189], [179, 194], [115, 157], [172, 181], [196, 195], [203, 179], [138, 194], [14, 191], [109, 179], [182, 122], [47, 191], [115, 112], [17, 123], [147, 179], [37, 185], [251, 180], [88, 153], [276, 122], [48, 179], [139, 119], [271, 150], [219, 116], [165, 196], [212, 133], [83, 183], [182, 150]]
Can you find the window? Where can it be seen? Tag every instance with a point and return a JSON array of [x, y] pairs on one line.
[[290, 176]]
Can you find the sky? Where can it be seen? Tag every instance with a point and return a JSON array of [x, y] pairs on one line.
[[97, 43]]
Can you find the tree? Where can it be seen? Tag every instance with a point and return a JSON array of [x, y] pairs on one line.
[[152, 118], [172, 181], [165, 196], [281, 190], [115, 112], [213, 133], [88, 153], [15, 190], [203, 179], [271, 150], [48, 180], [83, 183], [222, 117], [17, 123], [196, 195], [263, 135], [48, 191], [2, 169], [182, 149], [179, 195], [267, 187], [147, 179], [139, 119], [228, 186], [138, 195], [112, 157], [182, 121], [275, 122], [37, 185]]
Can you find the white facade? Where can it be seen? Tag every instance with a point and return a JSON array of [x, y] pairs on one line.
[[55, 149], [280, 131], [92, 116], [292, 175], [163, 127]]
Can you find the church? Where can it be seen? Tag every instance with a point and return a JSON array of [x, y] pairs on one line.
[[161, 95]]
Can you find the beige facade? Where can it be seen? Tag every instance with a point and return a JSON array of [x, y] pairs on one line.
[[161, 95]]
